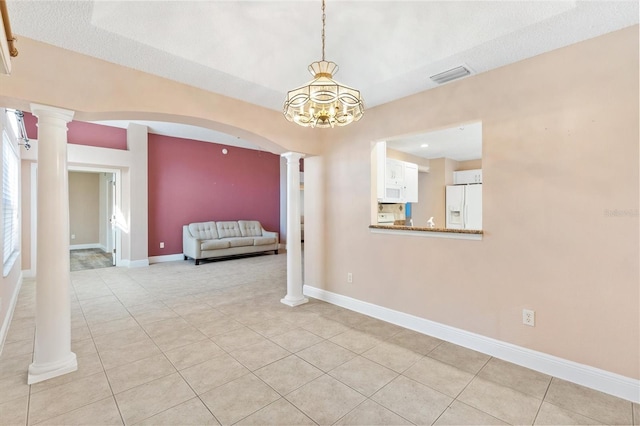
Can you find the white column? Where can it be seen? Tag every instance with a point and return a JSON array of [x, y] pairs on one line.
[[52, 353], [137, 142], [294, 295]]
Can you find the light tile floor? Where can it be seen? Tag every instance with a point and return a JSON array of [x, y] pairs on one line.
[[178, 344]]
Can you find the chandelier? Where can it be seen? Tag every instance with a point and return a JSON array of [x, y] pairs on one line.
[[323, 102]]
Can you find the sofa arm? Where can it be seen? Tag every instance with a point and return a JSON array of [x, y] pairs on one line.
[[190, 244], [271, 234]]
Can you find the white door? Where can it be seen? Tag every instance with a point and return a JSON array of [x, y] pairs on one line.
[[455, 207], [111, 214], [473, 207]]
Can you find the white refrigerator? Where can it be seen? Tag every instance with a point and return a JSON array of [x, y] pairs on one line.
[[464, 206]]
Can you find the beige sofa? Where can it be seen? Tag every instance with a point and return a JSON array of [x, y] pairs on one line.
[[207, 240]]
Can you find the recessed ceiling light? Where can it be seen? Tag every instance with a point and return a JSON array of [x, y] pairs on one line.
[[424, 145]]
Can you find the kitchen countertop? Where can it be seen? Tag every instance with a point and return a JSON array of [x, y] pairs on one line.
[[418, 228]]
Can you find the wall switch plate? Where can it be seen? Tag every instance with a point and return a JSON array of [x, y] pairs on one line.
[[161, 245], [349, 277], [529, 317]]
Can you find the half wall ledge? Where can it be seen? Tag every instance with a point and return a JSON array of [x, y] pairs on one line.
[[416, 231]]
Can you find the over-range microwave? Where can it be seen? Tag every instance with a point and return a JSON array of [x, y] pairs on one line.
[[393, 194]]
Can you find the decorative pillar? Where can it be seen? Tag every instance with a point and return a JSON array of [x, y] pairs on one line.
[[52, 353], [294, 295]]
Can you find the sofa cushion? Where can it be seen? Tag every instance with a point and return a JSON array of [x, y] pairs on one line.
[[204, 230], [263, 241], [228, 229], [250, 228], [239, 241], [214, 244]]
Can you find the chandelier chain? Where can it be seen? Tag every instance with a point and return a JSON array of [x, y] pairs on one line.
[[323, 19]]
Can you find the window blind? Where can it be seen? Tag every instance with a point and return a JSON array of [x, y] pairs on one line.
[[10, 196]]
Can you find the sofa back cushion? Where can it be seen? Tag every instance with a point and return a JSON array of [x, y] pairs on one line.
[[250, 228], [228, 229], [204, 230]]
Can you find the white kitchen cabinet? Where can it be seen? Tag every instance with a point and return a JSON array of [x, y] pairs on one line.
[[410, 183], [394, 172], [465, 177], [397, 181]]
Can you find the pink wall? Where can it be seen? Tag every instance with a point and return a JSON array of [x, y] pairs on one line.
[[192, 181], [81, 133]]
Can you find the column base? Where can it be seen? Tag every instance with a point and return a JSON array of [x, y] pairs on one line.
[[49, 370], [294, 302]]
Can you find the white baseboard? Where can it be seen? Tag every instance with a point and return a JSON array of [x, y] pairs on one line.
[[4, 328], [166, 258], [594, 378], [126, 263], [85, 246]]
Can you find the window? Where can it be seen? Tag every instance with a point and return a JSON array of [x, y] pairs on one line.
[[10, 194]]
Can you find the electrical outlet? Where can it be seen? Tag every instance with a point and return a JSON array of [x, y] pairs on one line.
[[161, 245], [349, 277], [73, 236], [529, 317]]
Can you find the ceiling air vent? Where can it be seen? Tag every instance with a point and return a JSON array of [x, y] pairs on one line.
[[452, 74]]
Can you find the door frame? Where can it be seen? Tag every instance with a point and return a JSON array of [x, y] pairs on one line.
[[117, 173], [111, 230]]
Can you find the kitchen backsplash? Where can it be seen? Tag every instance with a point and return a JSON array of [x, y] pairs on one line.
[[398, 210]]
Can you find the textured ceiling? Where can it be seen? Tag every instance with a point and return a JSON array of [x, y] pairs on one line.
[[257, 50]]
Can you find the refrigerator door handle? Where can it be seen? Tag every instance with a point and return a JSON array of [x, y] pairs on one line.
[[465, 219]]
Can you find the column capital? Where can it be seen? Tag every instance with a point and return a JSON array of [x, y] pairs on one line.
[[41, 111], [292, 156]]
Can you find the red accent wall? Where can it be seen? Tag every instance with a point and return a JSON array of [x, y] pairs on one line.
[[81, 133], [193, 181]]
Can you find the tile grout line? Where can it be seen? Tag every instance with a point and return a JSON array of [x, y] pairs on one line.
[[161, 351], [455, 399], [293, 403], [197, 395], [104, 370], [113, 395], [572, 411], [542, 401], [381, 341]]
